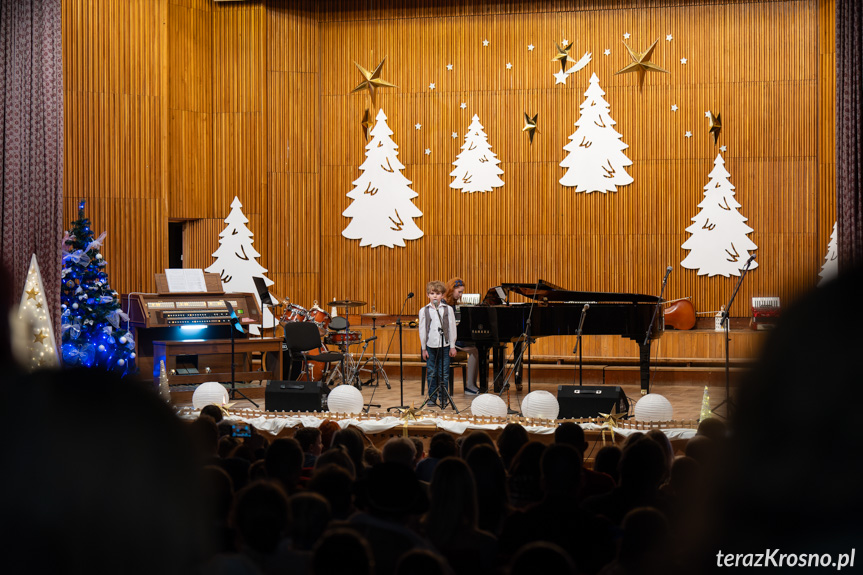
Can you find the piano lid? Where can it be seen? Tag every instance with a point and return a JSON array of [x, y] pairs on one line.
[[547, 292]]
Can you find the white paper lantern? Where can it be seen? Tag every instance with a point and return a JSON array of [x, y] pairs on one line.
[[211, 392], [540, 404], [345, 399], [488, 405], [653, 407]]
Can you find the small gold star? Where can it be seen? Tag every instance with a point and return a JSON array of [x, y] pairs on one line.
[[530, 126], [563, 56], [372, 81], [714, 125], [32, 293], [366, 123], [39, 337], [641, 63], [39, 304]]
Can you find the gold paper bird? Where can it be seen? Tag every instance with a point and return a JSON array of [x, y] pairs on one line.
[[641, 63], [372, 81], [530, 126], [714, 125], [366, 123], [563, 56]]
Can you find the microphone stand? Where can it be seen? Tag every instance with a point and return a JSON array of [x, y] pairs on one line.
[[235, 324], [727, 322], [517, 358], [578, 343], [644, 348], [401, 358]]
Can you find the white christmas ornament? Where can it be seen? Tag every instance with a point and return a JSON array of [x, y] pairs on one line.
[[488, 405], [209, 393], [382, 210], [34, 345], [830, 269], [540, 405], [719, 244], [345, 399], [653, 407], [237, 261], [476, 167], [596, 160]]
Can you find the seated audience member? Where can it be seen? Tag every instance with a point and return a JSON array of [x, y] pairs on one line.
[[116, 489], [645, 548], [328, 429], [354, 442], [714, 428], [420, 450], [337, 456], [491, 493], [400, 450], [213, 411], [525, 487], [372, 456], [558, 518], [343, 551], [451, 522], [336, 485], [284, 463], [542, 557], [218, 492], [442, 445], [311, 513], [262, 520], [205, 438], [592, 482], [422, 562], [395, 500], [662, 441], [510, 440], [607, 461], [474, 438], [309, 439]]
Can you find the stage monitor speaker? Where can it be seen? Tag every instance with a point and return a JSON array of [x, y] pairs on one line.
[[590, 400], [293, 396]]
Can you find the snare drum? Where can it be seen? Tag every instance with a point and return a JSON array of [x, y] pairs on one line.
[[343, 337], [320, 317], [294, 312]]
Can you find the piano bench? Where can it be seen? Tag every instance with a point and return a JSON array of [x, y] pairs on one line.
[[452, 367]]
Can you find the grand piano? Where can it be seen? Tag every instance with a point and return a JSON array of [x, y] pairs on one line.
[[554, 311]]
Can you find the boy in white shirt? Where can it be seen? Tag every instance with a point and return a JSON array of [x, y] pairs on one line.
[[437, 335]]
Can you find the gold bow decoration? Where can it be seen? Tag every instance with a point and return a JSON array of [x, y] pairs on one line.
[[609, 422]]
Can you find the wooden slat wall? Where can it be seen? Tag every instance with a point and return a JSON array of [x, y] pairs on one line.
[[256, 103]]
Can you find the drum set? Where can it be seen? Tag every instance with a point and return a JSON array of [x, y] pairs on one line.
[[336, 335]]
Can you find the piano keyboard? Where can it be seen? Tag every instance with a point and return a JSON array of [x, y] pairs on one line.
[[765, 303]]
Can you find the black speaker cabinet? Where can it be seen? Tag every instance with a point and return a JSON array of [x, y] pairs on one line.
[[590, 400], [293, 396]]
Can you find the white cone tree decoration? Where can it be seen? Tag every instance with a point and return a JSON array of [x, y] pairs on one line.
[[830, 269], [476, 167], [719, 244], [596, 162], [382, 210], [236, 260], [35, 346]]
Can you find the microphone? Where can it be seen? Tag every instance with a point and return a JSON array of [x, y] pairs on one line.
[[667, 273], [410, 295], [749, 261], [370, 339]]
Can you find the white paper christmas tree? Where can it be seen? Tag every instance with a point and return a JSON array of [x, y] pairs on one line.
[[476, 167], [236, 260], [382, 212], [830, 269], [596, 162], [35, 346], [719, 244]]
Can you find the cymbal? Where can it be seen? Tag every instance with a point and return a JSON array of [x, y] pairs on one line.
[[374, 314], [345, 303]]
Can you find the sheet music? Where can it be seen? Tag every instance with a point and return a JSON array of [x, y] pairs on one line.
[[182, 280]]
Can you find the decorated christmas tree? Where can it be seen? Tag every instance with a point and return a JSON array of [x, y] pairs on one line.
[[719, 244], [596, 160], [237, 260], [476, 167], [35, 346], [382, 210], [92, 321], [830, 269]]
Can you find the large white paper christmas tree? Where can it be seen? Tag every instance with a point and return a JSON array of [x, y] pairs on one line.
[[236, 260], [830, 269], [35, 346], [476, 167], [382, 211], [596, 162], [719, 244]]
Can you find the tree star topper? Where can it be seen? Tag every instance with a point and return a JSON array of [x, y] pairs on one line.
[[641, 63], [372, 81], [563, 56], [714, 125], [530, 126]]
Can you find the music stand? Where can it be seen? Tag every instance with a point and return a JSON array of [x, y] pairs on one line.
[[266, 301]]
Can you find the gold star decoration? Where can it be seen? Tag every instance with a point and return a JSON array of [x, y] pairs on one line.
[[563, 56], [366, 123], [609, 423], [408, 415], [641, 63], [530, 126], [39, 305], [39, 337], [714, 125], [372, 81], [32, 293]]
